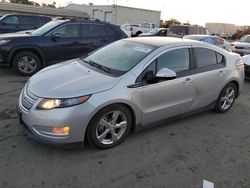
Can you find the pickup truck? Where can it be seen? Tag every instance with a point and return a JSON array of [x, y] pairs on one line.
[[137, 29]]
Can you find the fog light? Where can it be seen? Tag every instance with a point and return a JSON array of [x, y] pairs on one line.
[[61, 131]]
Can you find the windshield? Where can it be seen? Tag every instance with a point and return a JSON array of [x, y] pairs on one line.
[[120, 56], [45, 28], [153, 31]]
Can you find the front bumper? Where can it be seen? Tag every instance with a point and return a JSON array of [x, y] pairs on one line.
[[35, 121]]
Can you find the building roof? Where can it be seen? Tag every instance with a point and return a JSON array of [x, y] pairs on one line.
[[30, 9]]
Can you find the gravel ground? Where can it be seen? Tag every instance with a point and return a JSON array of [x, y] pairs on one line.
[[181, 154]]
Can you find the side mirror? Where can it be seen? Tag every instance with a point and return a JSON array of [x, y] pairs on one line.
[[55, 37], [166, 74]]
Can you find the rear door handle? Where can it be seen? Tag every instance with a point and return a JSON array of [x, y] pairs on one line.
[[221, 72]]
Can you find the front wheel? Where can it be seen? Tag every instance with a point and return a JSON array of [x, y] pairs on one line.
[[109, 127], [26, 63], [226, 98]]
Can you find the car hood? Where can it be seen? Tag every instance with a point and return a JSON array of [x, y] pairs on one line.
[[69, 79], [241, 44], [13, 35]]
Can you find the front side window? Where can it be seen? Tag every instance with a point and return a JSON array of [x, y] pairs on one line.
[[176, 60], [26, 20], [146, 25], [70, 30], [10, 20]]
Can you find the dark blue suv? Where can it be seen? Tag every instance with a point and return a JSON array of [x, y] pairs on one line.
[[13, 22], [56, 41]]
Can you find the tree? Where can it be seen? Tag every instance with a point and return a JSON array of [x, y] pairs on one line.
[[171, 22]]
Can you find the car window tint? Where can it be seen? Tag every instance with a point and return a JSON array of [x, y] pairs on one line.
[[70, 30], [109, 31], [202, 31], [146, 25], [93, 30], [176, 60], [26, 20], [205, 57], [218, 41], [10, 20], [220, 58], [192, 30], [45, 20], [209, 40]]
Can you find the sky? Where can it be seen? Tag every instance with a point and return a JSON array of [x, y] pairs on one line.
[[192, 11]]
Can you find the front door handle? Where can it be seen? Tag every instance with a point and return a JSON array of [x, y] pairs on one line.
[[188, 81]]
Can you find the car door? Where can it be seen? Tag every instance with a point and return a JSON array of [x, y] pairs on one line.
[[167, 98], [63, 43], [209, 77]]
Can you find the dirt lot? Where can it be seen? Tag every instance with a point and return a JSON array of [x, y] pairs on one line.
[[210, 146]]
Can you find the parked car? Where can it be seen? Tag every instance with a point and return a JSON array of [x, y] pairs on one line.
[[242, 46], [182, 30], [222, 43], [137, 29], [102, 97], [246, 59], [155, 32], [13, 22], [55, 41]]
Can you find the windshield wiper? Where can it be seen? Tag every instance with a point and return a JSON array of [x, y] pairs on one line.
[[98, 66]]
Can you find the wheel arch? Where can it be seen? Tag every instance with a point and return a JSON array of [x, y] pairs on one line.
[[130, 108], [32, 49]]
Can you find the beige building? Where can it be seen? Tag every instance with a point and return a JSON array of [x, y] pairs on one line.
[[223, 28], [117, 14], [12, 8]]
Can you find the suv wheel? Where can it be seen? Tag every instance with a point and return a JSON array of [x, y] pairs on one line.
[[226, 98], [109, 127], [26, 63]]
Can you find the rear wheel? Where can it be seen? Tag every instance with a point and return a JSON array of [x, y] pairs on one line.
[[109, 127], [26, 63], [226, 98]]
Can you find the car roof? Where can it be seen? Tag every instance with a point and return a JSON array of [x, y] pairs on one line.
[[162, 41]]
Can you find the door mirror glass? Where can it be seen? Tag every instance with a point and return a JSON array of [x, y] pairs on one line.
[[55, 36], [166, 73]]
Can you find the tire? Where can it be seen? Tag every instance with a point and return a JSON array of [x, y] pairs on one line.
[[103, 127], [138, 33], [26, 63], [226, 98]]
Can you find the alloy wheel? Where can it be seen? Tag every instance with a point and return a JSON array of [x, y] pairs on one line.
[[27, 64]]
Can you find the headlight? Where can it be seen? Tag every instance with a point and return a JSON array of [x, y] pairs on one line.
[[4, 41], [49, 104]]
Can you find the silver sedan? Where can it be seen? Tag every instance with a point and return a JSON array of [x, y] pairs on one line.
[[128, 85]]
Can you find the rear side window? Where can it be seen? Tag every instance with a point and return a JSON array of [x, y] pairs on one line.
[[206, 57], [192, 30], [93, 30], [45, 20], [26, 20]]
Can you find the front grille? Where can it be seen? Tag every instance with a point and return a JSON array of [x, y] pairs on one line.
[[28, 99]]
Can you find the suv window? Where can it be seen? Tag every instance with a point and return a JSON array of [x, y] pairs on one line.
[[96, 30], [26, 20], [218, 41], [206, 57], [176, 60], [44, 20], [192, 30], [146, 25], [69, 30], [10, 20]]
